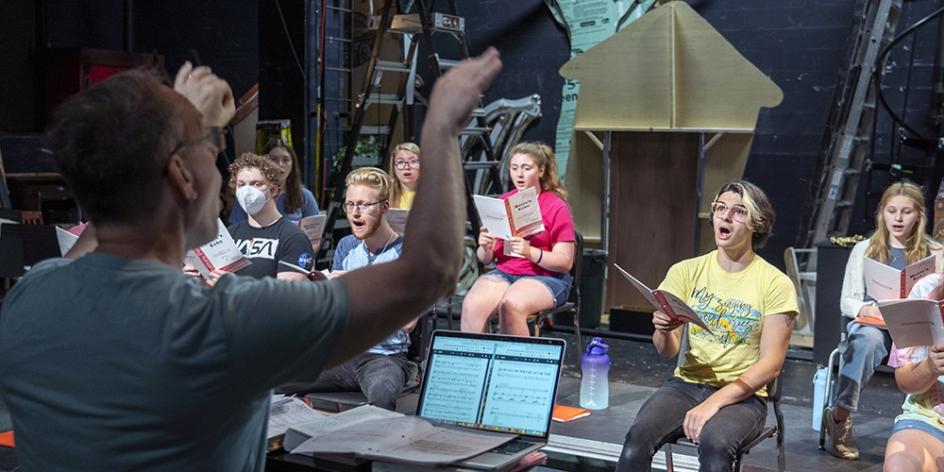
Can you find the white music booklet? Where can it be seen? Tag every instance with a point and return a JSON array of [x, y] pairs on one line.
[[883, 282], [914, 321], [516, 216], [666, 301], [313, 227], [219, 254]]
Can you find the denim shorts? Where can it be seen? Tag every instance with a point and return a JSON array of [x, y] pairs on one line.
[[920, 426], [559, 285]]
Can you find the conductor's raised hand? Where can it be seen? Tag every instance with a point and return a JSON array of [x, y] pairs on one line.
[[209, 94], [457, 92], [663, 322]]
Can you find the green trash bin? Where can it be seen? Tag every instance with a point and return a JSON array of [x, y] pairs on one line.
[[591, 287]]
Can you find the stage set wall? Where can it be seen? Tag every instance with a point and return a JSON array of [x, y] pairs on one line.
[[800, 45]]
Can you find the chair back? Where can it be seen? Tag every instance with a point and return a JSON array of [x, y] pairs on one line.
[[420, 337], [775, 388], [805, 305]]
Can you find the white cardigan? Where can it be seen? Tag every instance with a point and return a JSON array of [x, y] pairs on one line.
[[852, 298]]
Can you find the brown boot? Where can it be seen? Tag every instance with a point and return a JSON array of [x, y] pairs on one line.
[[841, 442]]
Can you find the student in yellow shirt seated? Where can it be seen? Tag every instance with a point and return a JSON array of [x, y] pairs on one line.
[[405, 168], [717, 397]]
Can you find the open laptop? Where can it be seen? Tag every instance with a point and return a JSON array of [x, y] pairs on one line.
[[492, 382]]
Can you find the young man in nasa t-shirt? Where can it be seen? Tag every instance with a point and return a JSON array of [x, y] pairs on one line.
[[266, 237]]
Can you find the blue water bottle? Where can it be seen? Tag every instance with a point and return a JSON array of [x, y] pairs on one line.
[[594, 384]]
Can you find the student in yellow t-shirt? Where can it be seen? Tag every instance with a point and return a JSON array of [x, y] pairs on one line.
[[717, 397], [405, 167]]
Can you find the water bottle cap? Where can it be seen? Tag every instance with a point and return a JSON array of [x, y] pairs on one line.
[[597, 347]]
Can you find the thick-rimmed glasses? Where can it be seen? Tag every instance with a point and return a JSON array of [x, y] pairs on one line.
[[404, 165], [362, 206], [738, 213]]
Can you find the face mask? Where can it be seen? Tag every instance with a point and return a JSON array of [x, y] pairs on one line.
[[250, 198]]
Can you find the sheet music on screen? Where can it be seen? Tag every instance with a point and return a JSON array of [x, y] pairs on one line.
[[491, 384]]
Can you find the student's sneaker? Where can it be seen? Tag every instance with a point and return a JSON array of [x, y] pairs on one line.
[[841, 442]]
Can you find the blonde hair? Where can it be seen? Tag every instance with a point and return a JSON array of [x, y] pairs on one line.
[[917, 244], [248, 160], [543, 157], [396, 189], [760, 213], [371, 177]]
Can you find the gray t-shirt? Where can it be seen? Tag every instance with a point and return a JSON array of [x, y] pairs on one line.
[[113, 364]]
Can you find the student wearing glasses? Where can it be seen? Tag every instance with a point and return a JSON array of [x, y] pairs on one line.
[[294, 201], [405, 167], [899, 239], [522, 286], [266, 236], [382, 371], [717, 397]]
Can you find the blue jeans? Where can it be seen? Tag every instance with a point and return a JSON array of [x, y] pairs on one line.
[[559, 285], [379, 377], [660, 421], [863, 351]]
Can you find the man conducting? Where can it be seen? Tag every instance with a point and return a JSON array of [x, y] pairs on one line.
[[118, 361]]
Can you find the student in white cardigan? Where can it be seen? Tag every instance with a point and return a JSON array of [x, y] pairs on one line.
[[899, 239]]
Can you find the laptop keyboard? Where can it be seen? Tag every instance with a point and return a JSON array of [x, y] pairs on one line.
[[511, 448]]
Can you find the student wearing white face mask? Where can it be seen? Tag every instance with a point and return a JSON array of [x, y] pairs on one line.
[[265, 237]]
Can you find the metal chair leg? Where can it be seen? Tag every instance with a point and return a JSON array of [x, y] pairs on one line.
[[667, 450], [834, 360]]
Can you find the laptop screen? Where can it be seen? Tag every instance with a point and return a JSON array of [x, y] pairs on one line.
[[492, 382]]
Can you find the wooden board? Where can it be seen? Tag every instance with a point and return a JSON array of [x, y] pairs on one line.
[[669, 71], [652, 219]]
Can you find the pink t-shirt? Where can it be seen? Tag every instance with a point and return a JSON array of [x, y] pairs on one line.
[[558, 227]]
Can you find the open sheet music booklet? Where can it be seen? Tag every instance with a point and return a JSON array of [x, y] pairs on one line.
[[884, 282], [378, 434], [313, 227], [219, 254], [667, 302], [913, 322], [285, 412], [518, 215]]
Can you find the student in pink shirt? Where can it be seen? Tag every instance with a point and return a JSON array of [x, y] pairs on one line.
[[521, 286]]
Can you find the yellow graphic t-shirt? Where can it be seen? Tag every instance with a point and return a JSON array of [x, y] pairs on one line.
[[733, 305], [406, 199]]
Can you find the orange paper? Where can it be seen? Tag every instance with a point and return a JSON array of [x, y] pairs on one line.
[[6, 439], [564, 413], [871, 321]]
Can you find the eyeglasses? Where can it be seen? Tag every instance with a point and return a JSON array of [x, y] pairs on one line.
[[738, 213], [362, 206], [215, 135], [404, 165]]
